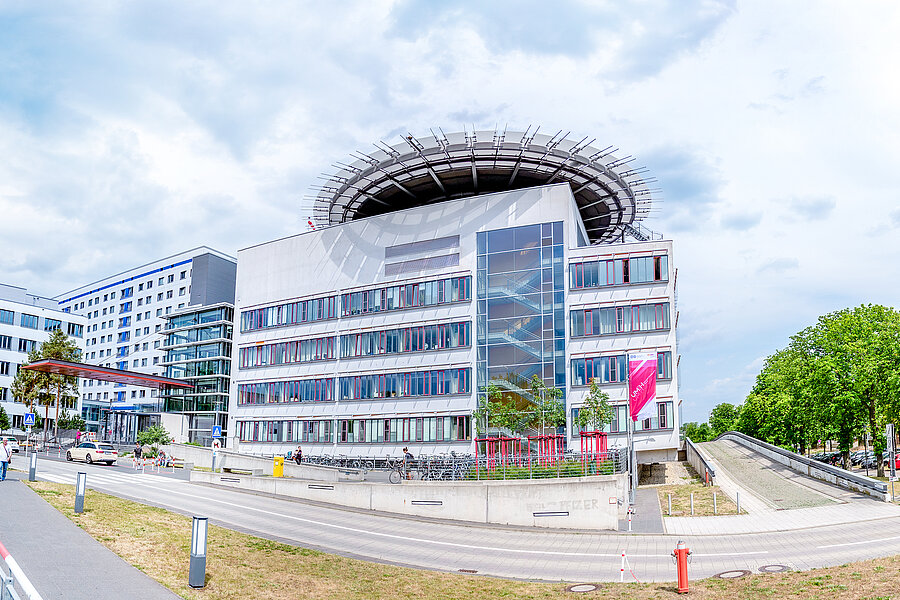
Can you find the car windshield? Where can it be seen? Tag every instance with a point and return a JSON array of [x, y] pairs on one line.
[[106, 446]]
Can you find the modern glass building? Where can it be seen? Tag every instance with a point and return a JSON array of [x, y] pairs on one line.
[[440, 266], [197, 346], [125, 315]]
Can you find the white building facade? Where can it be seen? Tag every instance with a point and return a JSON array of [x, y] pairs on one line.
[[125, 316], [377, 333], [26, 321]]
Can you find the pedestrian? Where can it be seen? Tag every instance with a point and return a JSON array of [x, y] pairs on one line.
[[77, 437], [5, 458], [138, 451], [407, 462], [298, 455]]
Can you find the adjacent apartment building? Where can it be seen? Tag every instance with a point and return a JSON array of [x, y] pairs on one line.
[[125, 317], [441, 265], [26, 321]]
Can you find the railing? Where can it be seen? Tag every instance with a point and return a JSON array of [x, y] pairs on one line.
[[15, 576], [699, 463], [468, 467]]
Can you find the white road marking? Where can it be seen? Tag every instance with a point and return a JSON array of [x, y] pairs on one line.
[[889, 539]]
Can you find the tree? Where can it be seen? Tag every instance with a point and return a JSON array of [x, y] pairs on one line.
[[550, 408], [595, 412], [4, 420], [155, 435], [38, 388], [697, 433], [497, 411], [723, 418]]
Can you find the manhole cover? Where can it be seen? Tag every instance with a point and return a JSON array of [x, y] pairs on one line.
[[467, 570], [732, 574], [582, 588], [774, 568]]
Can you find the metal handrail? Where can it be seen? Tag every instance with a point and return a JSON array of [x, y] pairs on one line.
[[710, 472], [16, 575]]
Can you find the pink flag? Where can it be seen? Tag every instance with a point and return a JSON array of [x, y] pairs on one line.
[[642, 384]]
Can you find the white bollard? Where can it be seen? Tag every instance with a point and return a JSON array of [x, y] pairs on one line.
[[622, 570]]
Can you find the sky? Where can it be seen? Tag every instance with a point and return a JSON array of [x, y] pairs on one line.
[[133, 131]]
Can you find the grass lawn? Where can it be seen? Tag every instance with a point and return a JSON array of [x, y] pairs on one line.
[[241, 566], [703, 500]]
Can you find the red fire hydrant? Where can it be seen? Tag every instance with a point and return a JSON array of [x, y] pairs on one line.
[[681, 554]]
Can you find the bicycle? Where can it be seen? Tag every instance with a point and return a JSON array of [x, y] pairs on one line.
[[400, 470]]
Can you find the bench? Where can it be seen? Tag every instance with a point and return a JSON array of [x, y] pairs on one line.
[[238, 471]]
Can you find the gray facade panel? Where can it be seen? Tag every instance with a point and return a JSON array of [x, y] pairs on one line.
[[212, 280]]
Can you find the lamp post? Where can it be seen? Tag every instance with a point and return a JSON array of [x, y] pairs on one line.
[[197, 573], [80, 484]]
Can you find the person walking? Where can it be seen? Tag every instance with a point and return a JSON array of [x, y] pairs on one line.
[[298, 455], [5, 458], [407, 462]]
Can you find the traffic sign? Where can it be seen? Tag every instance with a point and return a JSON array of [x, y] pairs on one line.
[[217, 431], [29, 419]]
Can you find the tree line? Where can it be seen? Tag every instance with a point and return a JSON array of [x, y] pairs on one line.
[[837, 380]]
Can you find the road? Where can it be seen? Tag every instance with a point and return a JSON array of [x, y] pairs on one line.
[[519, 553]]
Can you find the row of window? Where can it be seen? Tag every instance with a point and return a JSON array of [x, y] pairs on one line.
[[409, 339], [662, 419], [614, 369], [304, 311], [127, 292], [24, 345], [362, 431], [429, 293], [277, 392], [619, 319], [599, 273], [8, 317], [286, 353], [442, 382]]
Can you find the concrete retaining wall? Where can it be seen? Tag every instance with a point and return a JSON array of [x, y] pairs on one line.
[[812, 468], [227, 459], [572, 503], [698, 461]]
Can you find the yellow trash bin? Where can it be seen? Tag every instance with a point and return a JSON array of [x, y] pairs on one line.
[[278, 468]]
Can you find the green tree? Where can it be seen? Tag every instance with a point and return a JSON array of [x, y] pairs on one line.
[[155, 436], [595, 412], [4, 420], [39, 388], [697, 432], [723, 418], [550, 409]]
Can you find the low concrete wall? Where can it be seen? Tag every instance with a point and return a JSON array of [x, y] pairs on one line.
[[572, 503], [227, 459], [698, 461], [812, 468]]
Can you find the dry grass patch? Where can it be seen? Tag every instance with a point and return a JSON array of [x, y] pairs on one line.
[[704, 503], [243, 566]]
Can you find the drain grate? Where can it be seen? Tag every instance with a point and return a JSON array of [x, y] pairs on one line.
[[581, 588], [732, 574], [467, 570], [774, 568]]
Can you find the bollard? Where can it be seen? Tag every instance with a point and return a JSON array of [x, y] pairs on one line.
[[680, 554], [715, 505], [692, 504], [670, 505], [707, 477], [80, 483], [622, 569], [32, 468], [738, 502], [197, 572], [630, 512]]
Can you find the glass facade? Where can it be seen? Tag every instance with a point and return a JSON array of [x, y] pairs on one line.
[[521, 312]]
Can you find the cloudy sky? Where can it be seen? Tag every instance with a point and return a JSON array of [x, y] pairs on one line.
[[131, 131]]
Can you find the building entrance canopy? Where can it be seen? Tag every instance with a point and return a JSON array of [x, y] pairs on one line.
[[85, 371]]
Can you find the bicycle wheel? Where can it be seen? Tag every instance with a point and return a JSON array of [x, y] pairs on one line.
[[394, 477]]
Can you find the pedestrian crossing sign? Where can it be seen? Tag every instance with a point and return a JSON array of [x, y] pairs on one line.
[[29, 419], [217, 431]]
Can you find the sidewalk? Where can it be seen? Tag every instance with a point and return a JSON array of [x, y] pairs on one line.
[[61, 560]]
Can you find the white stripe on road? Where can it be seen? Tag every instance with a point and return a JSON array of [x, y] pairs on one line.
[[890, 539], [141, 481]]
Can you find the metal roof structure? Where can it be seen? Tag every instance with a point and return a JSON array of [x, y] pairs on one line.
[[85, 371], [611, 195]]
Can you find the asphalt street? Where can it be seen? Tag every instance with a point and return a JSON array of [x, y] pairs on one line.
[[520, 553]]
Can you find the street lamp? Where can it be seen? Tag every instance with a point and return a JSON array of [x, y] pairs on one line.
[[197, 573]]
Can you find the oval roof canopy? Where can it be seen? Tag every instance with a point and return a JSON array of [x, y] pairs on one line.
[[611, 195]]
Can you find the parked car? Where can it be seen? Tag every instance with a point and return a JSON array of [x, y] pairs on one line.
[[11, 442], [91, 452]]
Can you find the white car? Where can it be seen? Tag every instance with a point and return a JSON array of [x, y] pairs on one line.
[[11, 443], [91, 452]]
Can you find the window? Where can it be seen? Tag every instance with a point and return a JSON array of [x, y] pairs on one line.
[[181, 291], [159, 312], [112, 295], [5, 342], [150, 284], [309, 390], [27, 345], [4, 368], [599, 273], [282, 353], [169, 294], [75, 329], [126, 293], [140, 287], [183, 274], [140, 301], [419, 383], [619, 319], [7, 317], [411, 339], [427, 293], [125, 307], [29, 321], [170, 279], [51, 324]]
